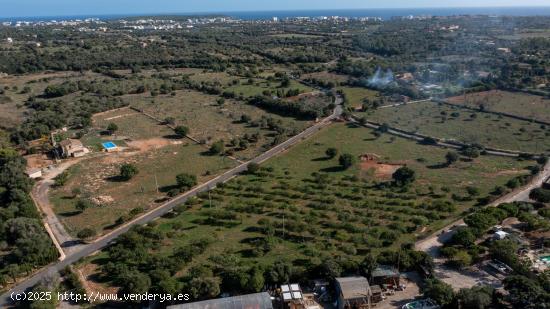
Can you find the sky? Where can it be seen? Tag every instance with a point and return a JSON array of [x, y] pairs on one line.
[[20, 8]]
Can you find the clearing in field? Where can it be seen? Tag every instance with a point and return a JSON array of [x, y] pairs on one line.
[[304, 208], [131, 126], [444, 121], [514, 103]]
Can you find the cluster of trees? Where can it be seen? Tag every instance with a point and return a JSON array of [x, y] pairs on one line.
[[22, 235], [49, 115], [310, 110], [528, 292], [462, 249]]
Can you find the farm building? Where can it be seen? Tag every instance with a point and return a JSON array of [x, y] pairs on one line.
[[34, 173], [72, 148], [257, 300], [385, 275], [293, 298], [353, 292]]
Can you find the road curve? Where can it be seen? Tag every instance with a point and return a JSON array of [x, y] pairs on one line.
[[104, 241]]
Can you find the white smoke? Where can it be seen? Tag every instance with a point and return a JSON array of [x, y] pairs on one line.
[[381, 78]]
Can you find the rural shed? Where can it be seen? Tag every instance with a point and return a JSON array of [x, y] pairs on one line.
[[249, 301], [34, 173], [353, 292], [384, 274]]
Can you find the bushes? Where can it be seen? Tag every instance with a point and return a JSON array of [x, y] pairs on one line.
[[404, 176], [540, 195], [346, 160], [186, 181], [181, 131], [128, 171], [439, 291]]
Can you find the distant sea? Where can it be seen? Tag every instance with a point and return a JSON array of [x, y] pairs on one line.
[[383, 13]]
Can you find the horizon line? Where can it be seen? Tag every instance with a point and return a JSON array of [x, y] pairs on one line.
[[199, 13]]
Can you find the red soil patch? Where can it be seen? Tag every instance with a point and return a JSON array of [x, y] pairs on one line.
[[149, 144], [381, 170]]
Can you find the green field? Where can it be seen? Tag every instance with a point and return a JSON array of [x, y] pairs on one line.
[[514, 103], [209, 122], [443, 121], [356, 95], [95, 177], [258, 86], [289, 211]]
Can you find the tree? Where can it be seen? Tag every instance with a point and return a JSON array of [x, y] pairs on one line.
[[439, 291], [186, 181], [217, 148], [112, 128], [245, 118], [471, 152], [204, 288], [134, 282], [540, 195], [86, 233], [368, 265], [404, 176], [331, 152], [181, 131], [464, 237], [477, 297], [83, 204], [504, 251], [170, 120], [525, 293], [451, 157], [253, 168], [346, 160], [279, 273], [128, 171]]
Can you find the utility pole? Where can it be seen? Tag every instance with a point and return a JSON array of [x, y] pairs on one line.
[[156, 183], [284, 221]]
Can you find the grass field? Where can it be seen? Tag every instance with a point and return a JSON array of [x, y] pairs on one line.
[[356, 95], [259, 85], [210, 122], [96, 177], [449, 122], [286, 212], [326, 77], [18, 89], [515, 103]]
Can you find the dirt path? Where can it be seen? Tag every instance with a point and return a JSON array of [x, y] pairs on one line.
[[39, 194], [462, 279]]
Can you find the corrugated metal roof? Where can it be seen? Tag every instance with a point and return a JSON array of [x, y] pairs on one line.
[[354, 287], [384, 271], [249, 301]]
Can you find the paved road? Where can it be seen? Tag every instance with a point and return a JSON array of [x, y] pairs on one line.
[[107, 239], [432, 244]]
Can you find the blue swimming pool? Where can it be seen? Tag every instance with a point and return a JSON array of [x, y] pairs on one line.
[[108, 145]]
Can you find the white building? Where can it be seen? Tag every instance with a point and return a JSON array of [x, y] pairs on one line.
[[34, 173], [9, 40]]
